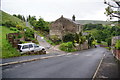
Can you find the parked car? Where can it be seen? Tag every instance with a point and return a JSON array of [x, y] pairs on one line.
[[27, 47]]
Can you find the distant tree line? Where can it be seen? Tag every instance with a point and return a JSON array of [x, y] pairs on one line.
[[20, 17], [102, 33], [91, 26]]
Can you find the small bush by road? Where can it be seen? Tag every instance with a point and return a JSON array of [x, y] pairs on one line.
[[68, 47]]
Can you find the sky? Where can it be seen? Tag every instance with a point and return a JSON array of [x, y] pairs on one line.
[[51, 10]]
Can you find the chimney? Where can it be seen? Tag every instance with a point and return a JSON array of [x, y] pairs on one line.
[[73, 17], [61, 16]]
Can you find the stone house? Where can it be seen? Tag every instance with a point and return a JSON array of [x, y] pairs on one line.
[[63, 25]]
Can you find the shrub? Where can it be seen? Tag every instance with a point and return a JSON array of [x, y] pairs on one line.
[[117, 45], [19, 27], [29, 34], [9, 24], [69, 37], [68, 47], [13, 29]]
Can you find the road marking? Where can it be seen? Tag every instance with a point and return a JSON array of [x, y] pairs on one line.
[[98, 67], [29, 60], [76, 54], [69, 53]]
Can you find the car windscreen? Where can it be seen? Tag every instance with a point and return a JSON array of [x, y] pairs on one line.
[[19, 47]]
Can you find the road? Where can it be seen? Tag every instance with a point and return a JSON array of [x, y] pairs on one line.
[[81, 64]]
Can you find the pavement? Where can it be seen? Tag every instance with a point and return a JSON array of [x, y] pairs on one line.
[[81, 64], [21, 58], [110, 67]]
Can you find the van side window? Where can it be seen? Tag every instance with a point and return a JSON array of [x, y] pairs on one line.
[[36, 46], [30, 46], [25, 46]]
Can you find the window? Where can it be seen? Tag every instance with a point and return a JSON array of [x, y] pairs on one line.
[[63, 27], [36, 46], [30, 46], [25, 47]]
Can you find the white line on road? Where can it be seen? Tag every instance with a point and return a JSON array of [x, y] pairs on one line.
[[98, 67]]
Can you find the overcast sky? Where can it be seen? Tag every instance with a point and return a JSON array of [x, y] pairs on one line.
[[51, 10]]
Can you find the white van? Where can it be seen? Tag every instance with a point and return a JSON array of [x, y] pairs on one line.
[[26, 47]]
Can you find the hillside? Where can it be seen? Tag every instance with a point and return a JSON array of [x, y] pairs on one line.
[[92, 21], [9, 18], [7, 49]]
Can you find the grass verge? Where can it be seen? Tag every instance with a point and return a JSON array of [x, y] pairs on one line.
[[7, 49]]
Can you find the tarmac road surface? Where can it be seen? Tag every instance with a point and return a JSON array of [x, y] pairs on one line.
[[81, 64]]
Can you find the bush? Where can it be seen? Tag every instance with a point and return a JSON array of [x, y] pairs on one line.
[[13, 29], [9, 24], [68, 47], [69, 37], [29, 34], [117, 45], [19, 27]]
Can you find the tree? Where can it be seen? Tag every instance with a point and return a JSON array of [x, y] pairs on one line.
[[42, 25], [110, 10]]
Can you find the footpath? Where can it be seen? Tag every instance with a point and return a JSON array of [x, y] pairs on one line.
[[110, 67], [51, 52]]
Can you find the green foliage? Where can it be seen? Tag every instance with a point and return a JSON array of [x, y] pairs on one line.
[[7, 49], [108, 40], [29, 34], [113, 9], [117, 45], [40, 24], [50, 42], [19, 27], [103, 34], [76, 38], [92, 26], [13, 28], [10, 24], [68, 37], [68, 47], [9, 20], [20, 17], [90, 40]]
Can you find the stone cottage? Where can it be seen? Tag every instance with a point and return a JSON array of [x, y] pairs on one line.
[[63, 25]]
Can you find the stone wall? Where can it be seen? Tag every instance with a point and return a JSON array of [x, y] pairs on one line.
[[116, 53], [11, 37], [83, 46]]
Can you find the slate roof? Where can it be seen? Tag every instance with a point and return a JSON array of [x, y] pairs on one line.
[[72, 21]]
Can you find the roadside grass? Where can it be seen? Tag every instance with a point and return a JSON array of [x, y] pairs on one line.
[[7, 49]]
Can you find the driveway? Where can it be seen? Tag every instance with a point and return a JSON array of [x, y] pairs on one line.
[[81, 64]]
